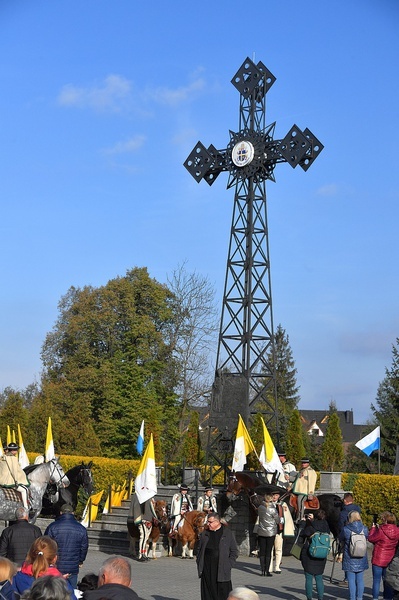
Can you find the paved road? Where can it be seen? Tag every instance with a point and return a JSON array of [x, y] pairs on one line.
[[176, 579]]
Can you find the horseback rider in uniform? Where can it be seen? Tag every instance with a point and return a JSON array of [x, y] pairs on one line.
[[207, 502], [143, 515], [181, 503], [290, 472], [304, 486], [12, 475]]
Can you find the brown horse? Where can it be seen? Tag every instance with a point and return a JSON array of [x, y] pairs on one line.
[[158, 524], [191, 525]]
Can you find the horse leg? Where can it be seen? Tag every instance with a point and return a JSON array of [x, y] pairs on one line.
[[184, 549], [191, 549]]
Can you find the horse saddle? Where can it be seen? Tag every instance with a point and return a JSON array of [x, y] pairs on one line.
[[12, 494], [312, 503]]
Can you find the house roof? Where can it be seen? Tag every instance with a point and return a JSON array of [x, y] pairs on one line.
[[351, 433]]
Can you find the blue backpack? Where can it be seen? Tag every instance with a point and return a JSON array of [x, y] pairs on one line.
[[320, 544]]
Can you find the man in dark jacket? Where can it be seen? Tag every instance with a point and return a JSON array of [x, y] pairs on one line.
[[72, 541], [216, 555], [16, 539], [114, 580]]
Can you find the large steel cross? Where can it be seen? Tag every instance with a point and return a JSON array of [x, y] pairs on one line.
[[245, 380]]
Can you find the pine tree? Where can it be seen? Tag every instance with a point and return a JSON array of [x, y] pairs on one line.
[[286, 385], [332, 453], [295, 446], [386, 412]]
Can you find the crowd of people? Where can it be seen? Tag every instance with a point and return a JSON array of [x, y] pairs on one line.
[[34, 566]]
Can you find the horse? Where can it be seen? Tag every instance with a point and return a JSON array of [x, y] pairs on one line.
[[159, 526], [39, 478], [189, 528], [79, 476]]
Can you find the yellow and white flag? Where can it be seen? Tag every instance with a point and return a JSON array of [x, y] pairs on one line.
[[9, 440], [243, 446], [1, 448], [145, 484], [91, 509], [49, 453], [23, 457], [268, 455]]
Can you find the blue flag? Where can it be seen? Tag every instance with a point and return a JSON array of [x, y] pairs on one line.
[[371, 442], [140, 440]]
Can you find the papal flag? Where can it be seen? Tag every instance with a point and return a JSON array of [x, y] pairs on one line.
[[49, 453], [268, 455], [370, 442], [9, 440], [243, 446], [23, 457], [145, 484], [1, 448]]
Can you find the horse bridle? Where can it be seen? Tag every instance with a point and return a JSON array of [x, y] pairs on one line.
[[61, 476], [87, 471]]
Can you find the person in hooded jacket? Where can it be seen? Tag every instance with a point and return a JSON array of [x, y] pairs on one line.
[[385, 538], [313, 567], [354, 567]]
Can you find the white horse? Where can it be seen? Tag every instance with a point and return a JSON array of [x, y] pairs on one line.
[[39, 478]]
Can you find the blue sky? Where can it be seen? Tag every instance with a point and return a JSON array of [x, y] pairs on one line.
[[102, 102]]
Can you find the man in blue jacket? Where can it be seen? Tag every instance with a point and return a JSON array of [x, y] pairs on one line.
[[72, 541]]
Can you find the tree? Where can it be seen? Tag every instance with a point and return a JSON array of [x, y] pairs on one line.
[[13, 413], [332, 453], [286, 384], [386, 412], [295, 445], [193, 335], [109, 361]]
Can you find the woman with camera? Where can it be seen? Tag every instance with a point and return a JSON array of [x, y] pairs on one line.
[[385, 538]]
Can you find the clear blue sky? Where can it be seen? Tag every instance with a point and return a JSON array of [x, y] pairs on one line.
[[103, 100]]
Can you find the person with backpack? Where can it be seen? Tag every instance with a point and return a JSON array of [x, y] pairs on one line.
[[385, 538], [354, 537], [316, 530]]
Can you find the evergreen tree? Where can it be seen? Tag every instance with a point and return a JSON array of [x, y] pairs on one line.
[[295, 444], [332, 453], [12, 413], [286, 384], [386, 412]]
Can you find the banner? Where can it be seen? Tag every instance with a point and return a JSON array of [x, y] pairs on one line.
[[242, 447], [370, 442], [49, 453], [268, 456], [140, 440], [145, 484]]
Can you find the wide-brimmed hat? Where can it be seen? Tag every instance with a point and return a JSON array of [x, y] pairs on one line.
[[12, 446]]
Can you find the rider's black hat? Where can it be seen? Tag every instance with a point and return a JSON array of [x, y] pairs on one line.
[[184, 487], [12, 446], [208, 489], [281, 454], [305, 460]]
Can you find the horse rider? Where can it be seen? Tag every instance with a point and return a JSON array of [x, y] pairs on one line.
[[143, 515], [207, 502], [11, 473], [181, 503], [304, 486], [290, 472]]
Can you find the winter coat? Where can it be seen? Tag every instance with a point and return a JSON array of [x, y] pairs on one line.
[[385, 539], [112, 591], [72, 541], [228, 553], [305, 482], [11, 473], [23, 580], [6, 591], [16, 540], [314, 566], [268, 520], [344, 514], [353, 565]]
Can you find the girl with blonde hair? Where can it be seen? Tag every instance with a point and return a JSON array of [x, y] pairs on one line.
[[40, 561], [7, 572]]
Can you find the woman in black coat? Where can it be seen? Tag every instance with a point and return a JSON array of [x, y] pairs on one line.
[[313, 567]]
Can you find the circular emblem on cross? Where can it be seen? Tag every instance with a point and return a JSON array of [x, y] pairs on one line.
[[242, 154]]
